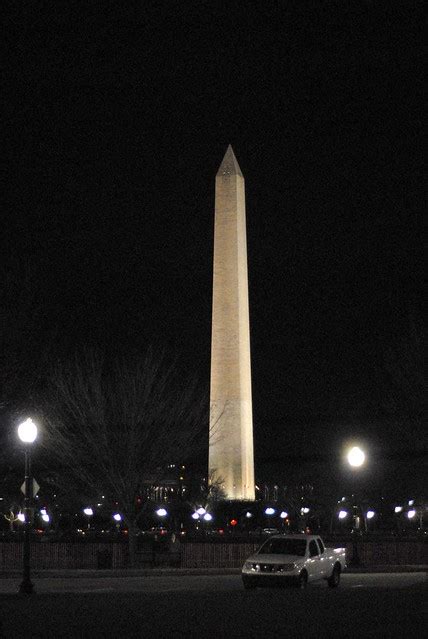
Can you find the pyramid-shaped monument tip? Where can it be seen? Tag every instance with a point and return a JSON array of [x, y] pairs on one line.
[[229, 165]]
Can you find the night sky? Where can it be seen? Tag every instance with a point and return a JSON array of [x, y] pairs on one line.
[[117, 118]]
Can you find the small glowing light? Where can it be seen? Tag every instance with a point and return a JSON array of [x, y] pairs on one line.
[[201, 511], [411, 502], [356, 456], [43, 511], [342, 514], [248, 515], [88, 512], [283, 514], [411, 514], [398, 509], [208, 517], [370, 514], [195, 516], [46, 518], [161, 512], [304, 510], [269, 511], [21, 517], [27, 431], [117, 517]]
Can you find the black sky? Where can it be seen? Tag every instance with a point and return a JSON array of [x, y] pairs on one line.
[[117, 118]]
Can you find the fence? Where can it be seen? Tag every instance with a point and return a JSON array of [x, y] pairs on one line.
[[191, 555]]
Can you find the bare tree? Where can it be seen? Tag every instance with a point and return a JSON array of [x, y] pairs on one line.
[[112, 425]]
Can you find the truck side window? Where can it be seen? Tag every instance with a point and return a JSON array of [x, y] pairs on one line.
[[313, 548], [321, 545]]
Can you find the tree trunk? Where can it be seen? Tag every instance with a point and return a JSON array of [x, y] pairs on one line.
[[132, 544]]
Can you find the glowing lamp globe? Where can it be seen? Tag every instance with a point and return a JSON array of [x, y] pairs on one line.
[[27, 431], [356, 457]]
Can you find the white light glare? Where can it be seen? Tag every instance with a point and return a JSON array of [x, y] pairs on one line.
[[411, 502], [342, 514], [21, 517], [208, 517], [411, 514], [201, 511], [356, 456], [46, 518], [398, 509], [161, 512], [27, 431], [269, 511], [370, 514], [284, 514], [304, 511], [117, 517], [88, 512], [195, 516], [248, 515]]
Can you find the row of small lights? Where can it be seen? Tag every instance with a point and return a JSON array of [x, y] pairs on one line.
[[356, 457]]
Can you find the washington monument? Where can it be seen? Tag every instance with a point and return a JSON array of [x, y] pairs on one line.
[[231, 460]]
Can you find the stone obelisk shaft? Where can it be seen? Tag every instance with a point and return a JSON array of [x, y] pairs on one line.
[[231, 459]]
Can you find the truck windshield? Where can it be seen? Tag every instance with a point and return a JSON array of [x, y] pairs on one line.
[[284, 547]]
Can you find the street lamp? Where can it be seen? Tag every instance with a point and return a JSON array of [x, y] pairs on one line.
[[356, 458], [27, 433], [89, 513]]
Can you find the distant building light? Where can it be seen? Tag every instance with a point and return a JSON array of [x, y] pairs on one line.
[[269, 511], [370, 514], [411, 514], [304, 510], [398, 509], [411, 502], [117, 517], [283, 514], [195, 516], [88, 512], [21, 517], [208, 517], [201, 511], [342, 514], [248, 514], [161, 512], [46, 518]]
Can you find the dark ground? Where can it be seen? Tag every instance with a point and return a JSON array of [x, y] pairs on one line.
[[363, 606]]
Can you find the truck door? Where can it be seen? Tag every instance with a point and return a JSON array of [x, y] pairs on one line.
[[314, 562]]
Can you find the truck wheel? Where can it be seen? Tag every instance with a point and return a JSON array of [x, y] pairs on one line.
[[302, 580], [249, 584], [334, 580]]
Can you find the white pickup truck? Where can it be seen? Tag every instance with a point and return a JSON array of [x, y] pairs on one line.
[[294, 559]]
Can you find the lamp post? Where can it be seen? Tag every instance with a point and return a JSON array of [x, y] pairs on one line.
[[356, 458], [27, 433]]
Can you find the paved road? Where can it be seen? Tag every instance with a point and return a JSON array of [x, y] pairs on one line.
[[365, 605], [189, 583]]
